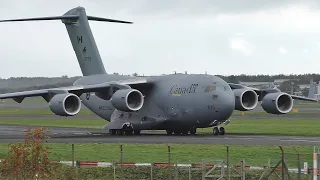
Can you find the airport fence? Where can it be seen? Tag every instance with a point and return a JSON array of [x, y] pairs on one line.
[[123, 161]]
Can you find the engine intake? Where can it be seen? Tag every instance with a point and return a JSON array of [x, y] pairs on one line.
[[245, 99], [65, 104], [277, 103], [127, 100]]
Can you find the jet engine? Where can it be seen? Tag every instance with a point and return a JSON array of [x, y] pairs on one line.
[[65, 104], [245, 99], [127, 100], [277, 103]]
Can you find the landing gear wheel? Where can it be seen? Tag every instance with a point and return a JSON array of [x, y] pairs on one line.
[[128, 132], [185, 132], [215, 131], [169, 131], [221, 131], [177, 132], [136, 132], [112, 131], [193, 131], [120, 132]]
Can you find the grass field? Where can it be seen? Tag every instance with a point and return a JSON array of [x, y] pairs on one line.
[[65, 122], [35, 112], [181, 153]]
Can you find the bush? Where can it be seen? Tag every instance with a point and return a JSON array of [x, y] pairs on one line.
[[29, 160]]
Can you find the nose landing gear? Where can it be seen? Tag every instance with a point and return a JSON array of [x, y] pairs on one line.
[[218, 131]]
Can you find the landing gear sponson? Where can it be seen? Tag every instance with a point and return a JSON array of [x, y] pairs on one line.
[[128, 130]]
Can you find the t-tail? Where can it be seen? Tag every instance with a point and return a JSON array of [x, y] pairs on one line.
[[83, 43]]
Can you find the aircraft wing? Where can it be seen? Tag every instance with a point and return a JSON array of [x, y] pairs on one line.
[[263, 92], [47, 94]]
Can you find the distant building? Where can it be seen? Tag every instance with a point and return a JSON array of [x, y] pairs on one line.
[[314, 90], [304, 86], [279, 81]]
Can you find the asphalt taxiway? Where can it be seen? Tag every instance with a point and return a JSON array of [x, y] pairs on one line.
[[15, 133]]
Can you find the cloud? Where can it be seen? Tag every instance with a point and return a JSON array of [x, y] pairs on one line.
[[242, 46], [239, 34], [283, 50], [201, 7], [294, 18], [184, 34]]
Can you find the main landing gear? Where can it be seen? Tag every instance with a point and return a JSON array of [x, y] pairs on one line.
[[192, 131], [121, 132], [218, 131], [126, 130]]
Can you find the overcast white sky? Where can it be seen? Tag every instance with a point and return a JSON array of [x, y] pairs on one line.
[[218, 36]]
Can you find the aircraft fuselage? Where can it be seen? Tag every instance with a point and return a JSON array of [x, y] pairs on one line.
[[177, 100]]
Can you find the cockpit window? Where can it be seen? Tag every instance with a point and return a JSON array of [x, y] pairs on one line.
[[210, 88], [217, 86]]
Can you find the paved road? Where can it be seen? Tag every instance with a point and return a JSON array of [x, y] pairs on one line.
[[14, 133]]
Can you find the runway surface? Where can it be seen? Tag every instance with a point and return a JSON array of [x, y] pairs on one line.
[[14, 133]]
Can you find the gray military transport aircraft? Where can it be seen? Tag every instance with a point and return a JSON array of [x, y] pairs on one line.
[[177, 103]]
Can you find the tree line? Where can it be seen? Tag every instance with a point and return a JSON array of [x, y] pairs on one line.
[[14, 84], [299, 79]]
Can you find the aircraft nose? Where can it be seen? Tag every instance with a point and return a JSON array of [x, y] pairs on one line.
[[227, 104]]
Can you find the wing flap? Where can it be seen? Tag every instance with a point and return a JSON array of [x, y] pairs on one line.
[[303, 98], [24, 94]]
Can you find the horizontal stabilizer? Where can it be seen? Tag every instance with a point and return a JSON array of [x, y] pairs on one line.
[[71, 17], [43, 18], [92, 18]]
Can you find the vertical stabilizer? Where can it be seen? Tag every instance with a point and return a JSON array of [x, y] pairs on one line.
[[83, 43]]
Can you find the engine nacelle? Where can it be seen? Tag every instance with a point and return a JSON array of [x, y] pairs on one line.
[[277, 103], [127, 100], [65, 104], [245, 99]]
